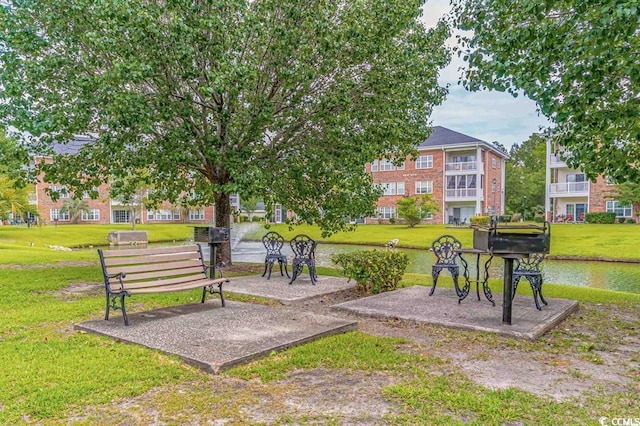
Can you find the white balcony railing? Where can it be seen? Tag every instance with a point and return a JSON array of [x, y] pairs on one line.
[[569, 188], [465, 193], [556, 161], [461, 166]]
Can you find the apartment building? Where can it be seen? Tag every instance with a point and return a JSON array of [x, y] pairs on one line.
[[569, 195], [107, 210], [465, 176]]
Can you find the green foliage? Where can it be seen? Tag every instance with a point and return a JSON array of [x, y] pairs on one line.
[[630, 220], [13, 159], [525, 175], [14, 199], [75, 207], [480, 220], [414, 209], [284, 100], [600, 217], [591, 94], [375, 271], [538, 219]]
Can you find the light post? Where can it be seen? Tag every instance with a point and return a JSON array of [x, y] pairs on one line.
[[524, 209], [494, 184]]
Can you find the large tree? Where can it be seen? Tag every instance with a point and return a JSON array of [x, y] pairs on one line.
[[525, 175], [287, 100], [578, 60]]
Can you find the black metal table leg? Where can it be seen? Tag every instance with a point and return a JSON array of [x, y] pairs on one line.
[[508, 290]]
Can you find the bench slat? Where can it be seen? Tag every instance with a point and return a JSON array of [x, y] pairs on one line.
[[148, 251], [195, 270], [178, 287], [164, 283], [133, 269], [150, 260]]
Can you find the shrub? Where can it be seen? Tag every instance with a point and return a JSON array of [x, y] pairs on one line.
[[505, 218], [620, 220], [375, 271], [600, 217], [538, 219], [392, 220], [630, 220], [516, 217], [480, 220]]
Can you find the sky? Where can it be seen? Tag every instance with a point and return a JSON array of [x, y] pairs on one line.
[[489, 116]]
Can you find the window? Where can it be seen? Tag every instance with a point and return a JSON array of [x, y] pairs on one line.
[[196, 214], [386, 165], [400, 188], [388, 188], [121, 216], [424, 187], [93, 214], [401, 166], [87, 194], [494, 162], [163, 214], [61, 190], [374, 166], [620, 209], [386, 212], [176, 214], [424, 162], [56, 214]]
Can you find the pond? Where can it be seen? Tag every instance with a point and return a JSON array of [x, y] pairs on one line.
[[606, 275]]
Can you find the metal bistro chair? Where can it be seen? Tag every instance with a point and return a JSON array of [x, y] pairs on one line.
[[274, 242], [304, 249], [446, 249], [529, 268]]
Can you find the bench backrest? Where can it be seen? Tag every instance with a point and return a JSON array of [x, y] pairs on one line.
[[446, 249], [152, 267]]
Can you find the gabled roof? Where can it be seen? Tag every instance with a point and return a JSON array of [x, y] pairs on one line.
[[441, 137], [73, 146]]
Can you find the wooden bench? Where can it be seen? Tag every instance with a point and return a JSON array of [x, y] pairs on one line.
[[156, 270]]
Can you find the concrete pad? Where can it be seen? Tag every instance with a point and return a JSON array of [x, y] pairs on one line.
[[414, 304], [278, 287], [216, 338]]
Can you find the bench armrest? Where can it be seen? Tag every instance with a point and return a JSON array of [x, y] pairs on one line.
[[120, 276]]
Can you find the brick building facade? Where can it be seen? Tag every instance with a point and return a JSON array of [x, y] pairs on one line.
[[104, 209], [464, 175], [569, 195]]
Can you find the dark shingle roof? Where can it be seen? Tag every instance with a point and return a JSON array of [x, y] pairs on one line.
[[443, 137]]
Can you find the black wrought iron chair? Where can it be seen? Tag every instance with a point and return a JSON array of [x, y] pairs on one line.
[[529, 268], [446, 249], [274, 242], [304, 250]]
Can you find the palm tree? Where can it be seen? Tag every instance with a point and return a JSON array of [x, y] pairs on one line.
[[14, 201], [75, 207]]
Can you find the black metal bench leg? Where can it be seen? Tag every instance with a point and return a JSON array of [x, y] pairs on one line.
[[106, 315], [266, 262], [204, 294], [540, 293], [286, 270], [221, 295], [124, 311], [312, 274]]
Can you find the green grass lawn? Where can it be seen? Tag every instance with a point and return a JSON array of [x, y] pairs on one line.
[[51, 372]]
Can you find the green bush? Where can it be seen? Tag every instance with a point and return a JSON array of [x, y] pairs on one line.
[[505, 218], [630, 220], [600, 217], [516, 217], [375, 271], [392, 220], [480, 220], [538, 219]]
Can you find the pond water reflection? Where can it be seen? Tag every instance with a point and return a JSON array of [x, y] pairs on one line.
[[607, 275]]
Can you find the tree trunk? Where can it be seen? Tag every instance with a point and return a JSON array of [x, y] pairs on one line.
[[222, 220]]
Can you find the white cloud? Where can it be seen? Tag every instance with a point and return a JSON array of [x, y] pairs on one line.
[[490, 116]]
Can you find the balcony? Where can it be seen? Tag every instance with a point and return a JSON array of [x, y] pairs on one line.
[[555, 162], [461, 194], [569, 189], [466, 166]]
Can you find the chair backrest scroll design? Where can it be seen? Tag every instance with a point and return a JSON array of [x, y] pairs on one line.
[[446, 249]]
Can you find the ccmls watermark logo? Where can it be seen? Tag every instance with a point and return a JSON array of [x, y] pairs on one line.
[[620, 421]]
